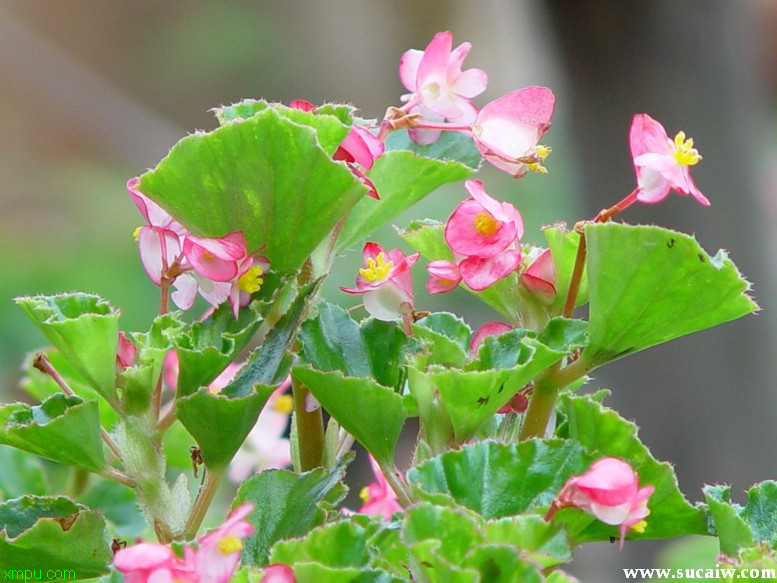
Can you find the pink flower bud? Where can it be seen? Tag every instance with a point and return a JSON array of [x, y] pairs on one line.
[[278, 573], [540, 277]]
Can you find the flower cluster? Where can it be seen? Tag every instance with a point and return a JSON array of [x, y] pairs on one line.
[[214, 561], [610, 491], [220, 269]]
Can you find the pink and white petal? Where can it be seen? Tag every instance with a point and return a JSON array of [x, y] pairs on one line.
[[612, 515], [480, 273], [408, 68], [385, 303], [694, 190], [653, 186], [278, 573], [487, 329], [648, 135], [530, 106], [159, 248], [214, 292], [433, 66], [456, 59], [471, 83], [302, 105], [476, 191], [142, 556], [185, 291]]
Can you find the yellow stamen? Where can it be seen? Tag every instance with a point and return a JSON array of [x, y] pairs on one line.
[[136, 233], [485, 224], [540, 152], [207, 255], [250, 281], [229, 544], [684, 152], [376, 269], [639, 527], [284, 404], [364, 494]]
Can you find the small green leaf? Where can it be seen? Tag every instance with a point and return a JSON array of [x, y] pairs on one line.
[[332, 340], [730, 528], [760, 513], [85, 330], [456, 530], [219, 423], [21, 474], [208, 347], [541, 541], [268, 176], [63, 429], [498, 480], [604, 433], [451, 146], [502, 564], [649, 285], [287, 505], [372, 413], [339, 544], [447, 338], [402, 179], [53, 533]]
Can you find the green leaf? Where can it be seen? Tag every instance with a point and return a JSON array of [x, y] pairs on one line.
[[498, 480], [447, 338], [63, 429], [372, 413], [401, 178], [729, 526], [760, 513], [85, 330], [332, 340], [649, 285], [22, 474], [53, 533], [604, 433], [219, 423], [502, 564], [268, 176], [208, 347], [340, 544], [451, 146], [287, 505], [119, 505], [541, 541], [455, 529]]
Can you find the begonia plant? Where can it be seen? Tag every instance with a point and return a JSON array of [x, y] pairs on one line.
[[241, 410]]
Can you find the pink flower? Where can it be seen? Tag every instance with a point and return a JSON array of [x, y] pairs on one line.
[[385, 282], [610, 491], [444, 276], [159, 241], [440, 90], [507, 130], [540, 277], [360, 149], [662, 164], [278, 573], [125, 353], [265, 447], [219, 552], [485, 233], [152, 563], [487, 329], [379, 499]]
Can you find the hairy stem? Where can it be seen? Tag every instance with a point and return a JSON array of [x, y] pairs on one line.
[[310, 429], [207, 491], [398, 484]]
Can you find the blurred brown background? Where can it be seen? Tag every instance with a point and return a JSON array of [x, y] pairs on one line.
[[93, 92]]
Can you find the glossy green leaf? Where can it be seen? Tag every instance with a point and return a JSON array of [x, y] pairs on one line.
[[63, 429], [446, 337], [219, 423], [402, 178], [53, 533], [287, 505], [318, 573], [603, 433], [498, 480], [729, 526], [451, 146], [208, 347], [267, 176], [372, 413], [760, 513], [339, 544], [85, 330], [455, 529], [649, 285], [502, 564], [21, 474], [541, 541]]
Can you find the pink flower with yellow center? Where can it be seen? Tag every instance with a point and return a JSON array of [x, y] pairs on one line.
[[507, 130], [379, 498], [662, 164], [444, 276], [385, 282], [219, 552], [610, 491], [540, 276]]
